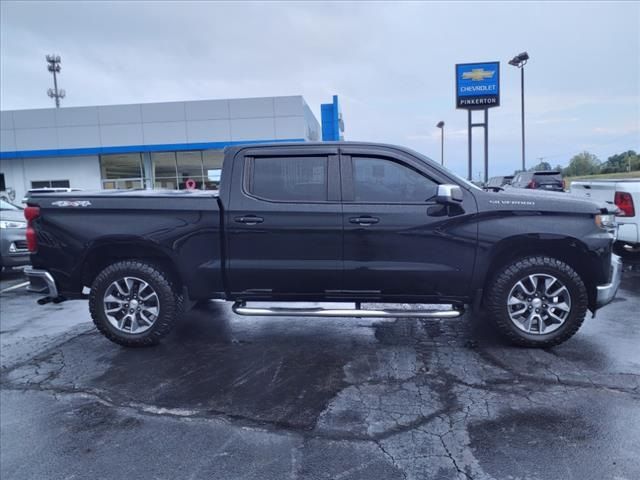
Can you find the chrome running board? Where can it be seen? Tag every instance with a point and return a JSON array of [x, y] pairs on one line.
[[241, 308]]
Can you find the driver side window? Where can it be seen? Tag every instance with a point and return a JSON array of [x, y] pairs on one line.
[[377, 180]]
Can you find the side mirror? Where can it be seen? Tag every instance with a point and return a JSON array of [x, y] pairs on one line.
[[449, 194]]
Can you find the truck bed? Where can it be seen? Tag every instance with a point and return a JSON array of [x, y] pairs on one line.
[[80, 231]]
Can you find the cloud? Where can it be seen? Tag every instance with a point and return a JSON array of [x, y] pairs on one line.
[[391, 64], [619, 130], [547, 121]]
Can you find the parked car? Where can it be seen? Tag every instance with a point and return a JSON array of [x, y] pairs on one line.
[[48, 190], [13, 242], [544, 180], [625, 194], [497, 183], [327, 222]]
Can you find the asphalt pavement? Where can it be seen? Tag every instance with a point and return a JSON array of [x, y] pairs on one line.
[[229, 397]]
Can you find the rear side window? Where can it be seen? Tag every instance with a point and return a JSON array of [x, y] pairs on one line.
[[384, 181], [289, 179]]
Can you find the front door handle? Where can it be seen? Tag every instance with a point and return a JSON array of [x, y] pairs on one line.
[[249, 220], [365, 220]]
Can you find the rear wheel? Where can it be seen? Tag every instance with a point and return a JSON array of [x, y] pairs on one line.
[[134, 303], [537, 301]]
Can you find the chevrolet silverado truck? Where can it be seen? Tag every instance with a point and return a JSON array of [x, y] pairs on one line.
[[344, 222]]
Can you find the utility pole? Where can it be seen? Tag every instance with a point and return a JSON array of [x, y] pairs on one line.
[[53, 65], [440, 125]]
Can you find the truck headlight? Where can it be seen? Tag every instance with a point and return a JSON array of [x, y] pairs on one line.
[[12, 224], [607, 222]]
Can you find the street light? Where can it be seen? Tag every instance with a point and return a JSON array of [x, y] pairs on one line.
[[440, 125], [520, 61]]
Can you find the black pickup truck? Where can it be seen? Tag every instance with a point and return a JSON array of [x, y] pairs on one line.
[[327, 222]]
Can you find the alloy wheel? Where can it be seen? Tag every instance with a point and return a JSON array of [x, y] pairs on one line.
[[131, 305], [539, 304]]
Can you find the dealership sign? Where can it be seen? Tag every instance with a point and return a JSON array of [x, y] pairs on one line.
[[477, 85]]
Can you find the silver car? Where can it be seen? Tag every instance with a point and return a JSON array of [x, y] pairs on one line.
[[13, 241]]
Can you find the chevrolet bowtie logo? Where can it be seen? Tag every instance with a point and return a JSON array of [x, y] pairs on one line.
[[478, 74]]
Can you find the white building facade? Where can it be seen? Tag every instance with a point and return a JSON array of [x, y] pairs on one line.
[[154, 145]]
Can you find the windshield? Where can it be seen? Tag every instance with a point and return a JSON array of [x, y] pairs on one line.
[[4, 205], [557, 176]]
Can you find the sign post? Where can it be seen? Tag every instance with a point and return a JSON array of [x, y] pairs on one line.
[[478, 88]]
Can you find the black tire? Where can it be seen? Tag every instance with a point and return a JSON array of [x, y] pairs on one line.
[[169, 301], [504, 280]]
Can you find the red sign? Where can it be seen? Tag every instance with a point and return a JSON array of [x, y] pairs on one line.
[[190, 184]]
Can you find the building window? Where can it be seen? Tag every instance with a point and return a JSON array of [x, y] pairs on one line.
[[200, 169], [189, 169], [122, 171], [50, 184], [212, 167], [177, 170], [165, 173], [3, 186]]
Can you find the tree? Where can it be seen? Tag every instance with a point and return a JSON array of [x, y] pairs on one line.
[[621, 162], [541, 166], [584, 163]]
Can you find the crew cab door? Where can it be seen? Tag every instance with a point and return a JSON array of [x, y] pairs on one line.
[[284, 223], [399, 244]]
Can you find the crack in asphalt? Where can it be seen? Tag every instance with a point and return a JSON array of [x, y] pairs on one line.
[[446, 372], [451, 457], [54, 359], [393, 460]]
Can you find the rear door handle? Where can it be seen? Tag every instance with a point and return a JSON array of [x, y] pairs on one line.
[[249, 220], [364, 220]]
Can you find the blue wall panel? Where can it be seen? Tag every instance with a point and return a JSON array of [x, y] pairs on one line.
[[64, 152], [330, 114]]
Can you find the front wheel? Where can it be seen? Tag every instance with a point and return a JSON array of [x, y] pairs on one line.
[[134, 303], [537, 301]]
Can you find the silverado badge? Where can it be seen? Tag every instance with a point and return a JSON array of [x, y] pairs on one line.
[[71, 203]]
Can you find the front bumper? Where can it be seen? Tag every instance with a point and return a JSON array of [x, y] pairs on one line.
[[13, 248], [607, 292], [41, 280]]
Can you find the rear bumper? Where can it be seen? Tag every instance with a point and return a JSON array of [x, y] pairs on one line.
[[607, 292], [38, 278], [15, 260]]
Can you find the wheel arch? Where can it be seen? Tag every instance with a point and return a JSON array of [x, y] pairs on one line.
[[108, 251], [568, 249]]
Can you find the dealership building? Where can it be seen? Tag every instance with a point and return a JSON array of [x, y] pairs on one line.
[[171, 145]]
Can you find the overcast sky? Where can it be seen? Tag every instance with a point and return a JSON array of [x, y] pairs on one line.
[[392, 65]]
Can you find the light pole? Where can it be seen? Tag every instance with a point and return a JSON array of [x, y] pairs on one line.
[[520, 61], [440, 125], [53, 65]]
